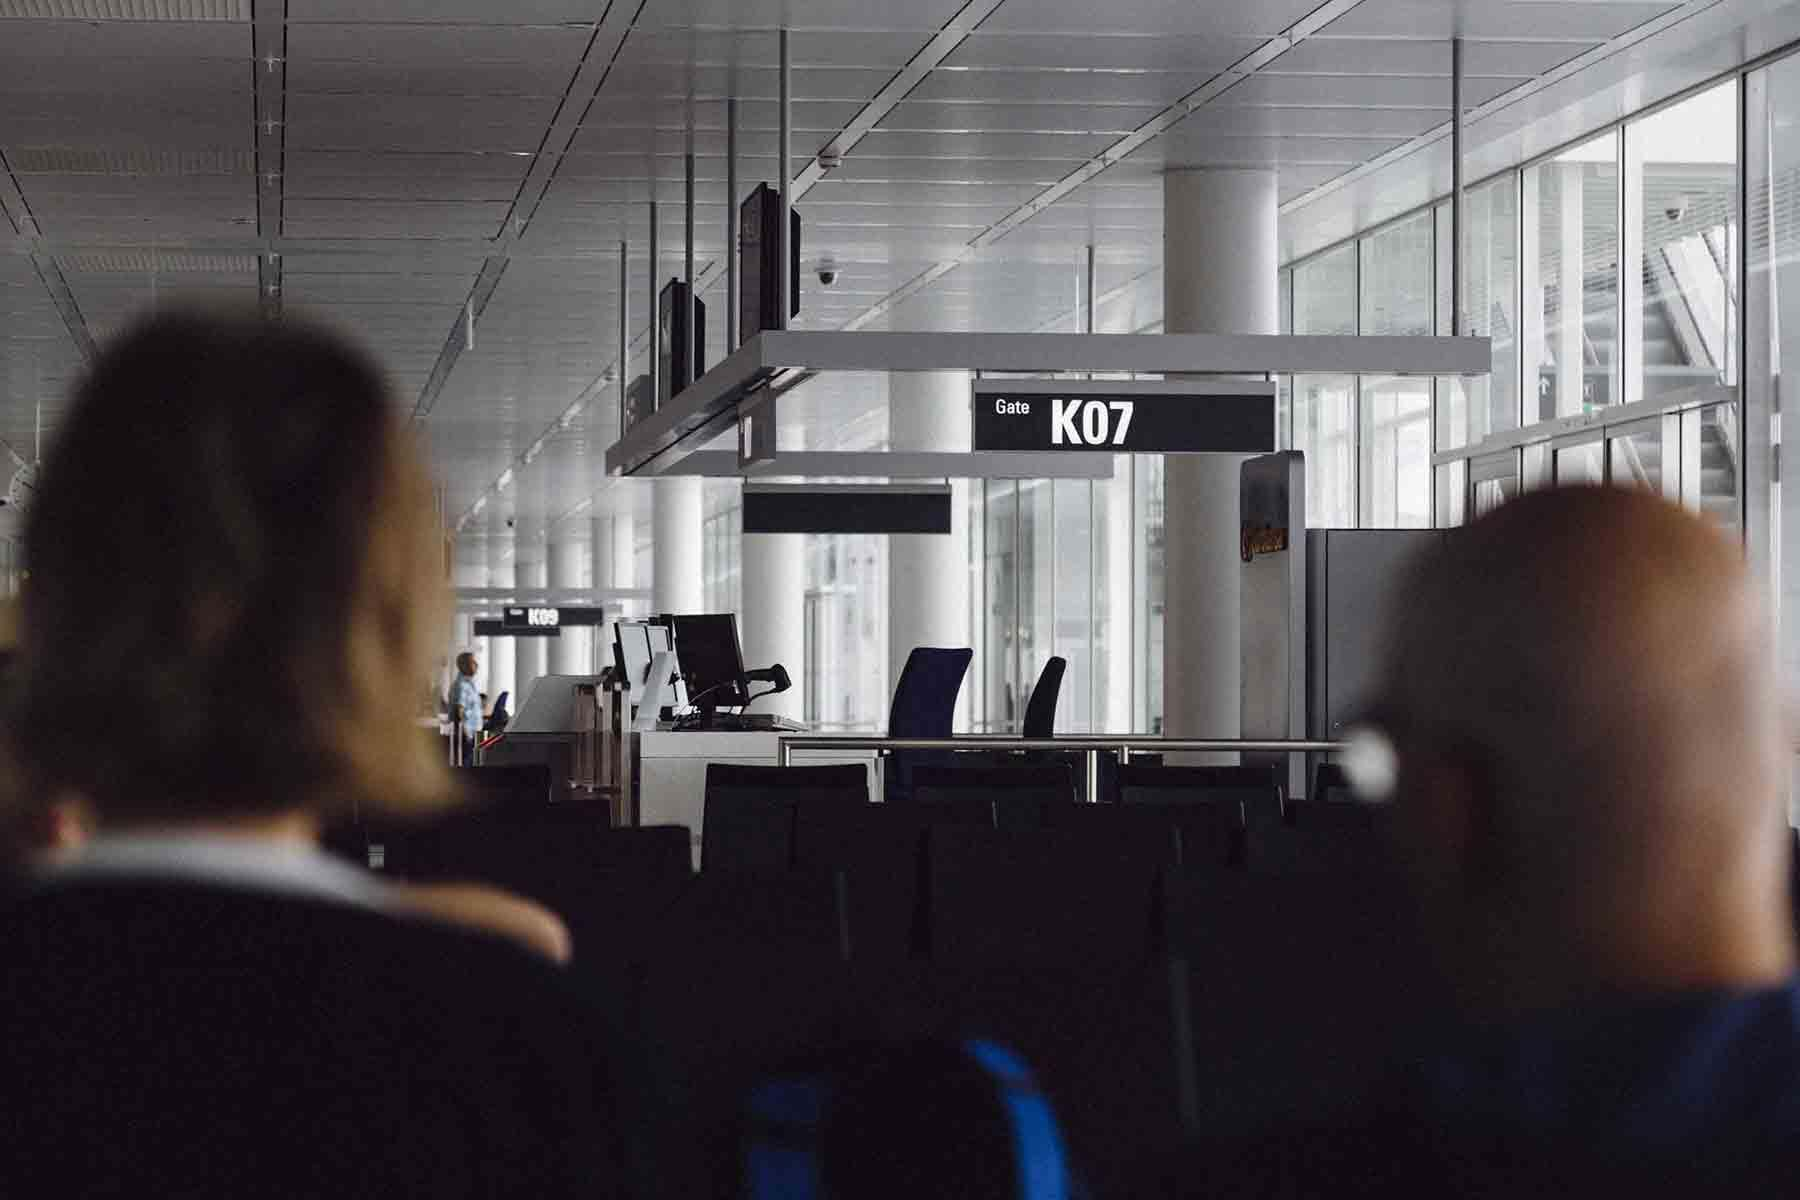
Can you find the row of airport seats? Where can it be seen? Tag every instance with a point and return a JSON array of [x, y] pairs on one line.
[[759, 817], [1155, 987]]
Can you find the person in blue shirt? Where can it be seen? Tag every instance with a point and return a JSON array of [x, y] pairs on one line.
[[465, 707], [1590, 807]]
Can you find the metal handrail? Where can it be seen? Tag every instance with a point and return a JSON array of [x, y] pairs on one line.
[[1089, 744]]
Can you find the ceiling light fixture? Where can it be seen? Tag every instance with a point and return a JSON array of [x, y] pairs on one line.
[[505, 480]]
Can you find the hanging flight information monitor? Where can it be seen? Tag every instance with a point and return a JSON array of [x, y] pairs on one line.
[[1189, 416]]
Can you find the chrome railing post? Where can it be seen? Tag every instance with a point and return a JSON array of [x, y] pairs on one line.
[[1093, 775]]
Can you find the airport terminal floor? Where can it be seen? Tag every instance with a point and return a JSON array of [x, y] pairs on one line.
[[822, 598]]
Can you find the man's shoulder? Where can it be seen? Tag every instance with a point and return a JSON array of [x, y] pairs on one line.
[[151, 921]]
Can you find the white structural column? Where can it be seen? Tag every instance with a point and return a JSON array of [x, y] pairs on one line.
[[612, 554], [501, 669], [571, 653], [462, 628], [775, 614], [1219, 276], [678, 586], [533, 653], [928, 575]]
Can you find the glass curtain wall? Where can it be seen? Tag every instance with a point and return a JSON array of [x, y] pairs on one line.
[[846, 633], [1396, 298], [1571, 281], [722, 546], [1772, 104], [1042, 591], [1472, 409], [1324, 406]]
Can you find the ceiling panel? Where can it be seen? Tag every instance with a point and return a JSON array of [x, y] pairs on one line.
[[632, 78], [1153, 88], [411, 125], [1362, 91], [1061, 147], [83, 45], [398, 47], [877, 46], [1113, 120], [802, 14], [452, 78], [1186, 148], [1330, 55], [1583, 20], [1190, 17], [1100, 51], [309, 217], [1294, 121], [33, 78]]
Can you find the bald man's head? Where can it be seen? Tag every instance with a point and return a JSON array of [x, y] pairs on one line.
[[1590, 741]]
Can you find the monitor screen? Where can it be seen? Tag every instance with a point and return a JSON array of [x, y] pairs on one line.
[[706, 647], [637, 642], [634, 651]]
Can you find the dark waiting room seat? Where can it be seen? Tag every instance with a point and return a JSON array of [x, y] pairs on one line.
[[1330, 783], [1045, 897], [1298, 984], [1197, 835], [748, 818], [1022, 797], [1320, 836], [1246, 799]]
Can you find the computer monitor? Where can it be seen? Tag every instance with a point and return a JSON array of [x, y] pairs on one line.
[[631, 652], [635, 646], [711, 660]]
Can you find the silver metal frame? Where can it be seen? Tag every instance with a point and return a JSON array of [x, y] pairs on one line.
[[775, 357], [1092, 746], [901, 464]]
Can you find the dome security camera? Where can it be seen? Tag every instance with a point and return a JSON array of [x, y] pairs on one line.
[[827, 272]]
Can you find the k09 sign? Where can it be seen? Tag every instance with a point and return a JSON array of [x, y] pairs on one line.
[[1175, 417]]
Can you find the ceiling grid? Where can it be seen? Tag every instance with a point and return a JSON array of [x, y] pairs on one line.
[[392, 166]]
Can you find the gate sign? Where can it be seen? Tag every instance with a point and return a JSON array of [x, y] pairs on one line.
[[1195, 416], [515, 617]]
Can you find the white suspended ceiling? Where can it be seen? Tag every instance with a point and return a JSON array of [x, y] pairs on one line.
[[419, 155]]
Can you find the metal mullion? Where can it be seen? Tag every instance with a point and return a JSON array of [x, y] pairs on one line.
[[1356, 412], [1755, 432]]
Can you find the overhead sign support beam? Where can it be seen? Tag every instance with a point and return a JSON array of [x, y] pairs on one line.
[[777, 358]]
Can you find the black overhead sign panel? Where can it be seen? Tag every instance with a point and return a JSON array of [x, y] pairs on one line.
[[1171, 417], [524, 620]]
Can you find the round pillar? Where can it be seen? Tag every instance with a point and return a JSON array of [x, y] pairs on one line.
[[928, 574], [533, 653], [774, 619], [611, 552], [572, 652], [1219, 276], [501, 669], [678, 585]]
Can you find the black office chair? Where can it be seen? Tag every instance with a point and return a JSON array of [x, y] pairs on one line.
[[924, 707], [1040, 710]]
